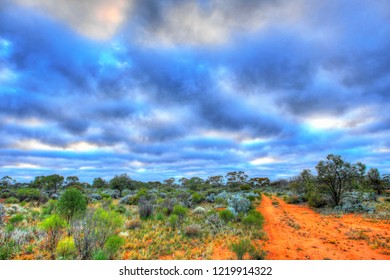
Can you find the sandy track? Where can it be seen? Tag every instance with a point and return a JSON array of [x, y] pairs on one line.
[[297, 232]]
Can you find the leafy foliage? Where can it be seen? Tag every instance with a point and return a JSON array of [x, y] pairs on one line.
[[337, 177], [53, 226], [66, 249], [72, 203], [239, 203], [241, 247], [226, 215]]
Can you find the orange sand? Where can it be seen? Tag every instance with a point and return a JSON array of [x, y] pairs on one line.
[[297, 232]]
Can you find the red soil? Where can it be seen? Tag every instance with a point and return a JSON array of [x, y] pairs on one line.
[[297, 233]]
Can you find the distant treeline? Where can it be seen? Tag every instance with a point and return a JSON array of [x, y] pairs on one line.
[[335, 178]]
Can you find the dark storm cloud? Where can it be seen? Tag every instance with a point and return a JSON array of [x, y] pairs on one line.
[[192, 87]]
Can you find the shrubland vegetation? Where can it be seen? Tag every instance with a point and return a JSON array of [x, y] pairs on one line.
[[54, 217]]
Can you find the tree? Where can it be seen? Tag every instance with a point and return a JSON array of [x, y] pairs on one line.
[[338, 177], [195, 183], [38, 183], [236, 178], [216, 181], [375, 181], [7, 182], [121, 182], [99, 183], [54, 182], [169, 182], [72, 181], [259, 182], [72, 203]]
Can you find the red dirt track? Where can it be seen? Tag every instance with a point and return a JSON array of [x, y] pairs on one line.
[[298, 233]]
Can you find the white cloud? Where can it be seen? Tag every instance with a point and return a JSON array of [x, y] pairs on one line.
[[98, 19]]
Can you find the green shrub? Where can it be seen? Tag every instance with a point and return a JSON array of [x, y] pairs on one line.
[[180, 210], [28, 194], [11, 200], [253, 218], [99, 255], [257, 254], [66, 249], [245, 187], [113, 245], [226, 215], [316, 200], [220, 201], [160, 216], [197, 198], [49, 207], [16, 219], [107, 223], [241, 247], [72, 203], [292, 199], [173, 220], [92, 231], [120, 209], [8, 249], [53, 225]]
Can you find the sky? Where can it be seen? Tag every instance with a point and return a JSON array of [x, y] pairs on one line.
[[169, 88]]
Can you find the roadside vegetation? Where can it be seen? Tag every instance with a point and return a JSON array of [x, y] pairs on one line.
[[54, 217]]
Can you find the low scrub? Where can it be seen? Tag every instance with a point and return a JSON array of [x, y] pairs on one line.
[[193, 230]]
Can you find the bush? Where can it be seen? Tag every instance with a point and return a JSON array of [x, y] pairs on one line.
[[53, 225], [292, 199], [28, 194], [113, 245], [129, 200], [193, 230], [239, 203], [16, 219], [355, 202], [210, 198], [7, 249], [11, 200], [197, 198], [245, 187], [241, 247], [253, 218], [145, 208], [199, 211], [214, 223], [226, 215], [95, 196], [173, 220], [168, 205], [72, 203], [180, 210], [66, 249], [160, 216], [99, 255], [92, 231], [49, 207], [257, 254], [133, 224], [316, 200], [119, 209]]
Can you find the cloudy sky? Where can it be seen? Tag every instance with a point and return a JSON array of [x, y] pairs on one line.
[[192, 88]]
